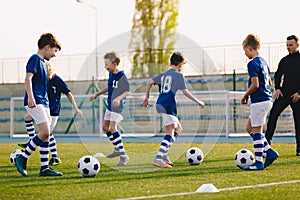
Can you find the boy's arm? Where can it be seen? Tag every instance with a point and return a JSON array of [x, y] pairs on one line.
[[148, 89], [104, 90], [192, 97], [73, 102], [116, 101], [28, 88], [253, 87]]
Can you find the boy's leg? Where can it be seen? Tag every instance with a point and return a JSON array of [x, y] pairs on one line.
[[44, 155], [165, 157], [54, 156], [42, 118], [271, 154], [21, 160], [111, 120], [158, 160], [29, 129], [258, 152], [52, 143], [109, 128], [119, 149]]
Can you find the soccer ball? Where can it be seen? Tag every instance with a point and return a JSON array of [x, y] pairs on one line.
[[88, 166], [14, 154], [244, 158], [194, 156]]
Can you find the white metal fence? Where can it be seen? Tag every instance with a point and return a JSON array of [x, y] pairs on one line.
[[224, 59]]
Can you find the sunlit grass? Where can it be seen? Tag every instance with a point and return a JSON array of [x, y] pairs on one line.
[[218, 168]]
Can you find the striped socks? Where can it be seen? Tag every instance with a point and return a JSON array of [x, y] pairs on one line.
[[117, 141], [258, 147], [52, 145], [171, 142], [44, 155], [30, 128], [164, 147], [33, 144]]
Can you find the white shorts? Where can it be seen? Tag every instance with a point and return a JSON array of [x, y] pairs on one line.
[[53, 122], [171, 119], [112, 116], [259, 112], [39, 113]]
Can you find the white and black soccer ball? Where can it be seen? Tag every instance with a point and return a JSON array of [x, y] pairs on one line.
[[14, 154], [194, 156], [88, 166], [243, 158]]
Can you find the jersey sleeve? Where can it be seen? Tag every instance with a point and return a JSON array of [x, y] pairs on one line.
[[252, 70], [124, 83], [62, 85], [32, 65], [157, 79], [181, 82]]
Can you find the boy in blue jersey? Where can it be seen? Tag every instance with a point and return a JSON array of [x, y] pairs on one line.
[[118, 88], [37, 105], [56, 88], [261, 102], [170, 82]]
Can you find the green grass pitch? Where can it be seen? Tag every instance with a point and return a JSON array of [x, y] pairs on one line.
[[217, 168]]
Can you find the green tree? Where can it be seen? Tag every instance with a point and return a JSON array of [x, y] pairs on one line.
[[153, 36]]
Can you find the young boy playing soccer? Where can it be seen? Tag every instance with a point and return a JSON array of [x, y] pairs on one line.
[[118, 89], [170, 82], [261, 102], [56, 88], [37, 105]]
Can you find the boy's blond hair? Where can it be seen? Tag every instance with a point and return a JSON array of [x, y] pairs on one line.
[[252, 41], [50, 70]]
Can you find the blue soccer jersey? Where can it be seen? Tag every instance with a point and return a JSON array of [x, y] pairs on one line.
[[171, 81], [56, 87], [37, 66], [117, 85], [258, 67]]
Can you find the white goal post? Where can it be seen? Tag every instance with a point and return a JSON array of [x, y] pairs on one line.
[[223, 115]]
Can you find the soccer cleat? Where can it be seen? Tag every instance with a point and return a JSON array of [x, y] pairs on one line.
[[114, 154], [123, 160], [271, 157], [167, 160], [54, 161], [255, 166], [160, 163], [21, 165], [24, 145], [50, 172]]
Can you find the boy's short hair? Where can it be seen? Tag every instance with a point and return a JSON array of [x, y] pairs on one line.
[[176, 58], [253, 41], [113, 57], [293, 37], [48, 39]]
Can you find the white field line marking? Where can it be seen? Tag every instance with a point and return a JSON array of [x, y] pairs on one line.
[[222, 189]]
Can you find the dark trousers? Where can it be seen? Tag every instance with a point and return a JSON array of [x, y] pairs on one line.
[[278, 106]]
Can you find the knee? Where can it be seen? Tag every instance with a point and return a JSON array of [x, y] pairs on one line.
[[249, 129], [27, 117], [112, 129], [105, 129]]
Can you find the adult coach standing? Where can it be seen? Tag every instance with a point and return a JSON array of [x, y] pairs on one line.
[[287, 92]]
